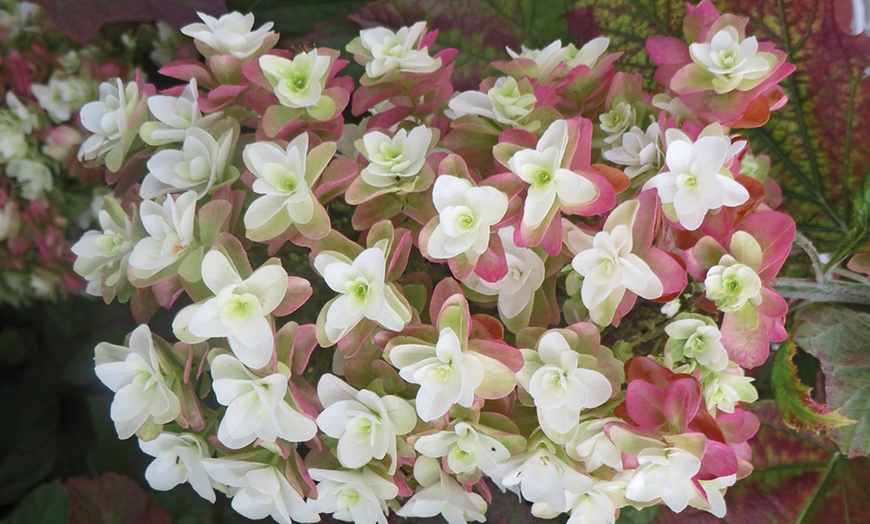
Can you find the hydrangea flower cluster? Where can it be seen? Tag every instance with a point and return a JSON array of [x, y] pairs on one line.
[[476, 266], [46, 196]]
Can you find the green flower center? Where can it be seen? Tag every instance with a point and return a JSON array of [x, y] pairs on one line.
[[240, 308], [358, 289]]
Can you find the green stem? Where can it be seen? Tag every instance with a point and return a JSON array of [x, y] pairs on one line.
[[818, 489]]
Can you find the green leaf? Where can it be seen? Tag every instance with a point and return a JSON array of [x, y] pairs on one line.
[[793, 399], [298, 17], [838, 338], [47, 503]]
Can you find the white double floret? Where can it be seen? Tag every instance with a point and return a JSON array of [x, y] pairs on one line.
[[465, 216]]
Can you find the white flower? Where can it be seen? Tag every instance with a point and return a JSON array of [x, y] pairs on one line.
[[25, 119], [239, 310], [175, 116], [465, 215], [591, 445], [732, 285], [664, 473], [560, 387], [671, 308], [639, 151], [21, 18], [516, 290], [734, 63], [365, 424], [298, 82], [595, 506], [617, 121], [353, 496], [281, 180], [550, 184], [101, 256], [202, 163], [697, 179], [714, 490], [111, 119], [397, 160], [13, 141], [445, 373], [363, 292], [35, 177], [260, 491], [608, 266], [466, 449], [170, 234], [440, 493], [504, 102], [62, 96], [551, 56], [693, 338], [542, 478], [178, 459], [141, 391], [399, 51], [231, 34], [724, 389], [256, 408]]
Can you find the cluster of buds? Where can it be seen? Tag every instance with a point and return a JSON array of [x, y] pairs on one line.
[[482, 262]]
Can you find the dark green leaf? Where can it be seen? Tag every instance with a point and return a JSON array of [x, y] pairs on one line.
[[838, 338], [46, 504]]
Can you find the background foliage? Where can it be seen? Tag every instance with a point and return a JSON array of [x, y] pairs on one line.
[[60, 455]]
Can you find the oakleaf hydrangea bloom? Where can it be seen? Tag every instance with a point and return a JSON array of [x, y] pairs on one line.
[[696, 180], [231, 34], [609, 267], [365, 424], [202, 163], [363, 293], [550, 184], [178, 459], [548, 58], [559, 385], [714, 490], [543, 478], [35, 178], [466, 449], [353, 496], [516, 291], [506, 102], [617, 121], [732, 285], [62, 96], [466, 215], [591, 445], [260, 490], [596, 506], [113, 120], [170, 234], [397, 51], [283, 182], [698, 340], [639, 151], [256, 406], [299, 82], [142, 392], [175, 115], [394, 161], [445, 373], [102, 256], [664, 473], [733, 63], [440, 493], [723, 390], [239, 310]]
